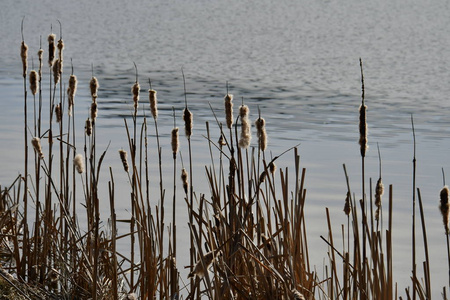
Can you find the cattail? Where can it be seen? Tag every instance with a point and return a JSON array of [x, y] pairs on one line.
[[135, 91], [94, 87], [444, 207], [51, 49], [123, 156], [94, 111], [262, 177], [260, 125], [184, 179], [379, 191], [40, 56], [229, 110], [208, 259], [71, 90], [187, 118], [58, 113], [363, 129], [296, 295], [34, 78], [79, 163], [347, 207], [56, 71], [174, 142], [88, 127], [60, 55], [24, 56], [246, 135], [272, 168], [36, 142], [153, 103]]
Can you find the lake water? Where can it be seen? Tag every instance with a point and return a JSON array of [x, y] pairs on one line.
[[297, 60]]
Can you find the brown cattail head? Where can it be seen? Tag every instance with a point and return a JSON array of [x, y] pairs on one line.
[[187, 118], [79, 163], [347, 207], [153, 103], [174, 142], [246, 135], [24, 56], [221, 141], [123, 157], [88, 127], [184, 179], [51, 49], [58, 113], [444, 207], [34, 79], [379, 191], [363, 129], [71, 90], [94, 88], [60, 48], [94, 111], [260, 125], [36, 142], [229, 110], [56, 71], [135, 91], [272, 168], [40, 56]]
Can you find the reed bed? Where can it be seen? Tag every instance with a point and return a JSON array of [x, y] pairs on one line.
[[248, 236]]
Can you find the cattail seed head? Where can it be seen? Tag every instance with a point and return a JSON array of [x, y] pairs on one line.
[[56, 71], [260, 125], [246, 135], [187, 118], [88, 127], [34, 78], [174, 142], [71, 90], [221, 141], [272, 168], [444, 207], [229, 110], [135, 91], [60, 48], [58, 113], [36, 142], [40, 56], [296, 295], [24, 56], [363, 129], [347, 207], [94, 111], [153, 103], [379, 191], [51, 49], [184, 179], [123, 156], [94, 88], [79, 163]]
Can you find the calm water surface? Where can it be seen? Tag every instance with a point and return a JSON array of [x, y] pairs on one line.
[[295, 60]]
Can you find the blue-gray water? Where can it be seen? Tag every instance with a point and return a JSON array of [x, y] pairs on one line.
[[297, 60]]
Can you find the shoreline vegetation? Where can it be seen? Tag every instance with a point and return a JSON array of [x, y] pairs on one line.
[[248, 237]]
